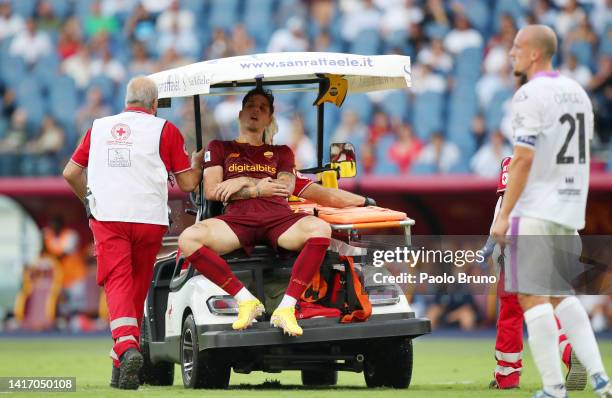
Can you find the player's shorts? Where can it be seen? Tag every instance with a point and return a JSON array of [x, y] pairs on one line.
[[259, 221], [542, 258]]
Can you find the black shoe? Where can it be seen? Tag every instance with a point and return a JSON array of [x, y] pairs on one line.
[[115, 377], [131, 362]]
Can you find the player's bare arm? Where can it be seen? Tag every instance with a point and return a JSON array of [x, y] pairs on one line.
[[189, 180], [287, 179], [519, 170], [76, 177]]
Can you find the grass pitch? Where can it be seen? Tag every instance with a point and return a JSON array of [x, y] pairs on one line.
[[443, 367]]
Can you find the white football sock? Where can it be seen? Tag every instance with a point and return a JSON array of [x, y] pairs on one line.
[[287, 301], [244, 295], [543, 342], [577, 326]]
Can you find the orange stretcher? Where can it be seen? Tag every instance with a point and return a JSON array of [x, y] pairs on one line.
[[355, 218]]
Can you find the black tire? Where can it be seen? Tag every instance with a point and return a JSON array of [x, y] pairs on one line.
[[201, 369], [155, 374], [389, 364], [319, 377]]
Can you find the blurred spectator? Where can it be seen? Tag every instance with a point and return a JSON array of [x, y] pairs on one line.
[[405, 149], [63, 243], [439, 155], [462, 36], [12, 143], [9, 103], [479, 130], [323, 43], [350, 129], [10, 23], [156, 6], [78, 67], [301, 145], [220, 45], [119, 8], [183, 41], [545, 13], [241, 43], [379, 127], [175, 16], [97, 22], [41, 154], [571, 69], [70, 38], [424, 80], [45, 17], [358, 18], [498, 47], [140, 26], [487, 159], [601, 15], [30, 44], [581, 40], [398, 15], [141, 63], [171, 59], [93, 108], [108, 66], [290, 38], [493, 81], [435, 56], [226, 114], [435, 13], [453, 310], [322, 15], [568, 18]]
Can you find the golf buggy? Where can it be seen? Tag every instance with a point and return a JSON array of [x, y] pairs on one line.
[[188, 318]]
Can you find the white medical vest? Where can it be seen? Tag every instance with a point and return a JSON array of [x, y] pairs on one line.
[[127, 181]]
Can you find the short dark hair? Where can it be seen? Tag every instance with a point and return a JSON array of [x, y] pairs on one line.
[[264, 93]]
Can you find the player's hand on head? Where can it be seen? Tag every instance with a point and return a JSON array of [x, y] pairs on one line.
[[267, 187]]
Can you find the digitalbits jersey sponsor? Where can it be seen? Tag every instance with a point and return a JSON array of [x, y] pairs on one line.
[[553, 115]]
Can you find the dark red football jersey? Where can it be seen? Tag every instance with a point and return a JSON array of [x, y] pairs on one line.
[[245, 160]]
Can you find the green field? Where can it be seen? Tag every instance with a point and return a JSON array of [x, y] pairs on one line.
[[442, 368]]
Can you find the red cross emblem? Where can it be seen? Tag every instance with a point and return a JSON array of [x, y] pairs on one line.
[[120, 132]]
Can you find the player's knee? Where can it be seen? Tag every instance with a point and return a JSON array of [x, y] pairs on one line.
[[193, 237], [316, 228]]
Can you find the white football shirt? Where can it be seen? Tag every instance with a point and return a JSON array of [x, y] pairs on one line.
[[553, 115]]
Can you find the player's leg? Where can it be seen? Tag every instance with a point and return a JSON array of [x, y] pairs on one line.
[[575, 322], [113, 252], [543, 336], [203, 244], [311, 235], [509, 341]]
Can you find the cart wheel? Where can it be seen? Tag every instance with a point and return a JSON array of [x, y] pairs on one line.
[[319, 377], [155, 374], [201, 369], [389, 364]]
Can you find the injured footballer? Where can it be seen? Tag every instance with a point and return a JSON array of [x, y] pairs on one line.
[[253, 180]]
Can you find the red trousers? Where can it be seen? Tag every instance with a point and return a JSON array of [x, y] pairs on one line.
[[509, 339], [125, 254]]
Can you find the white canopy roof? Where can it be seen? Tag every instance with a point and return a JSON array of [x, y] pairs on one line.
[[363, 72]]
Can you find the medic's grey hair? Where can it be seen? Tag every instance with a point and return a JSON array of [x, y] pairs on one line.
[[141, 90]]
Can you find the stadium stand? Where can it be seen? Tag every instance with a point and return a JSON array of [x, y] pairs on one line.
[[456, 47]]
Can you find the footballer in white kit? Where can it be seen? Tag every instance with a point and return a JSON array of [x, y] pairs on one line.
[[544, 207]]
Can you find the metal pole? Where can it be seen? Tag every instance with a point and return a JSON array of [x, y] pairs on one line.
[[198, 133], [320, 124]]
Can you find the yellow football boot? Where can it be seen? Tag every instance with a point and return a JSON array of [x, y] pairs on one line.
[[247, 311], [285, 318]]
